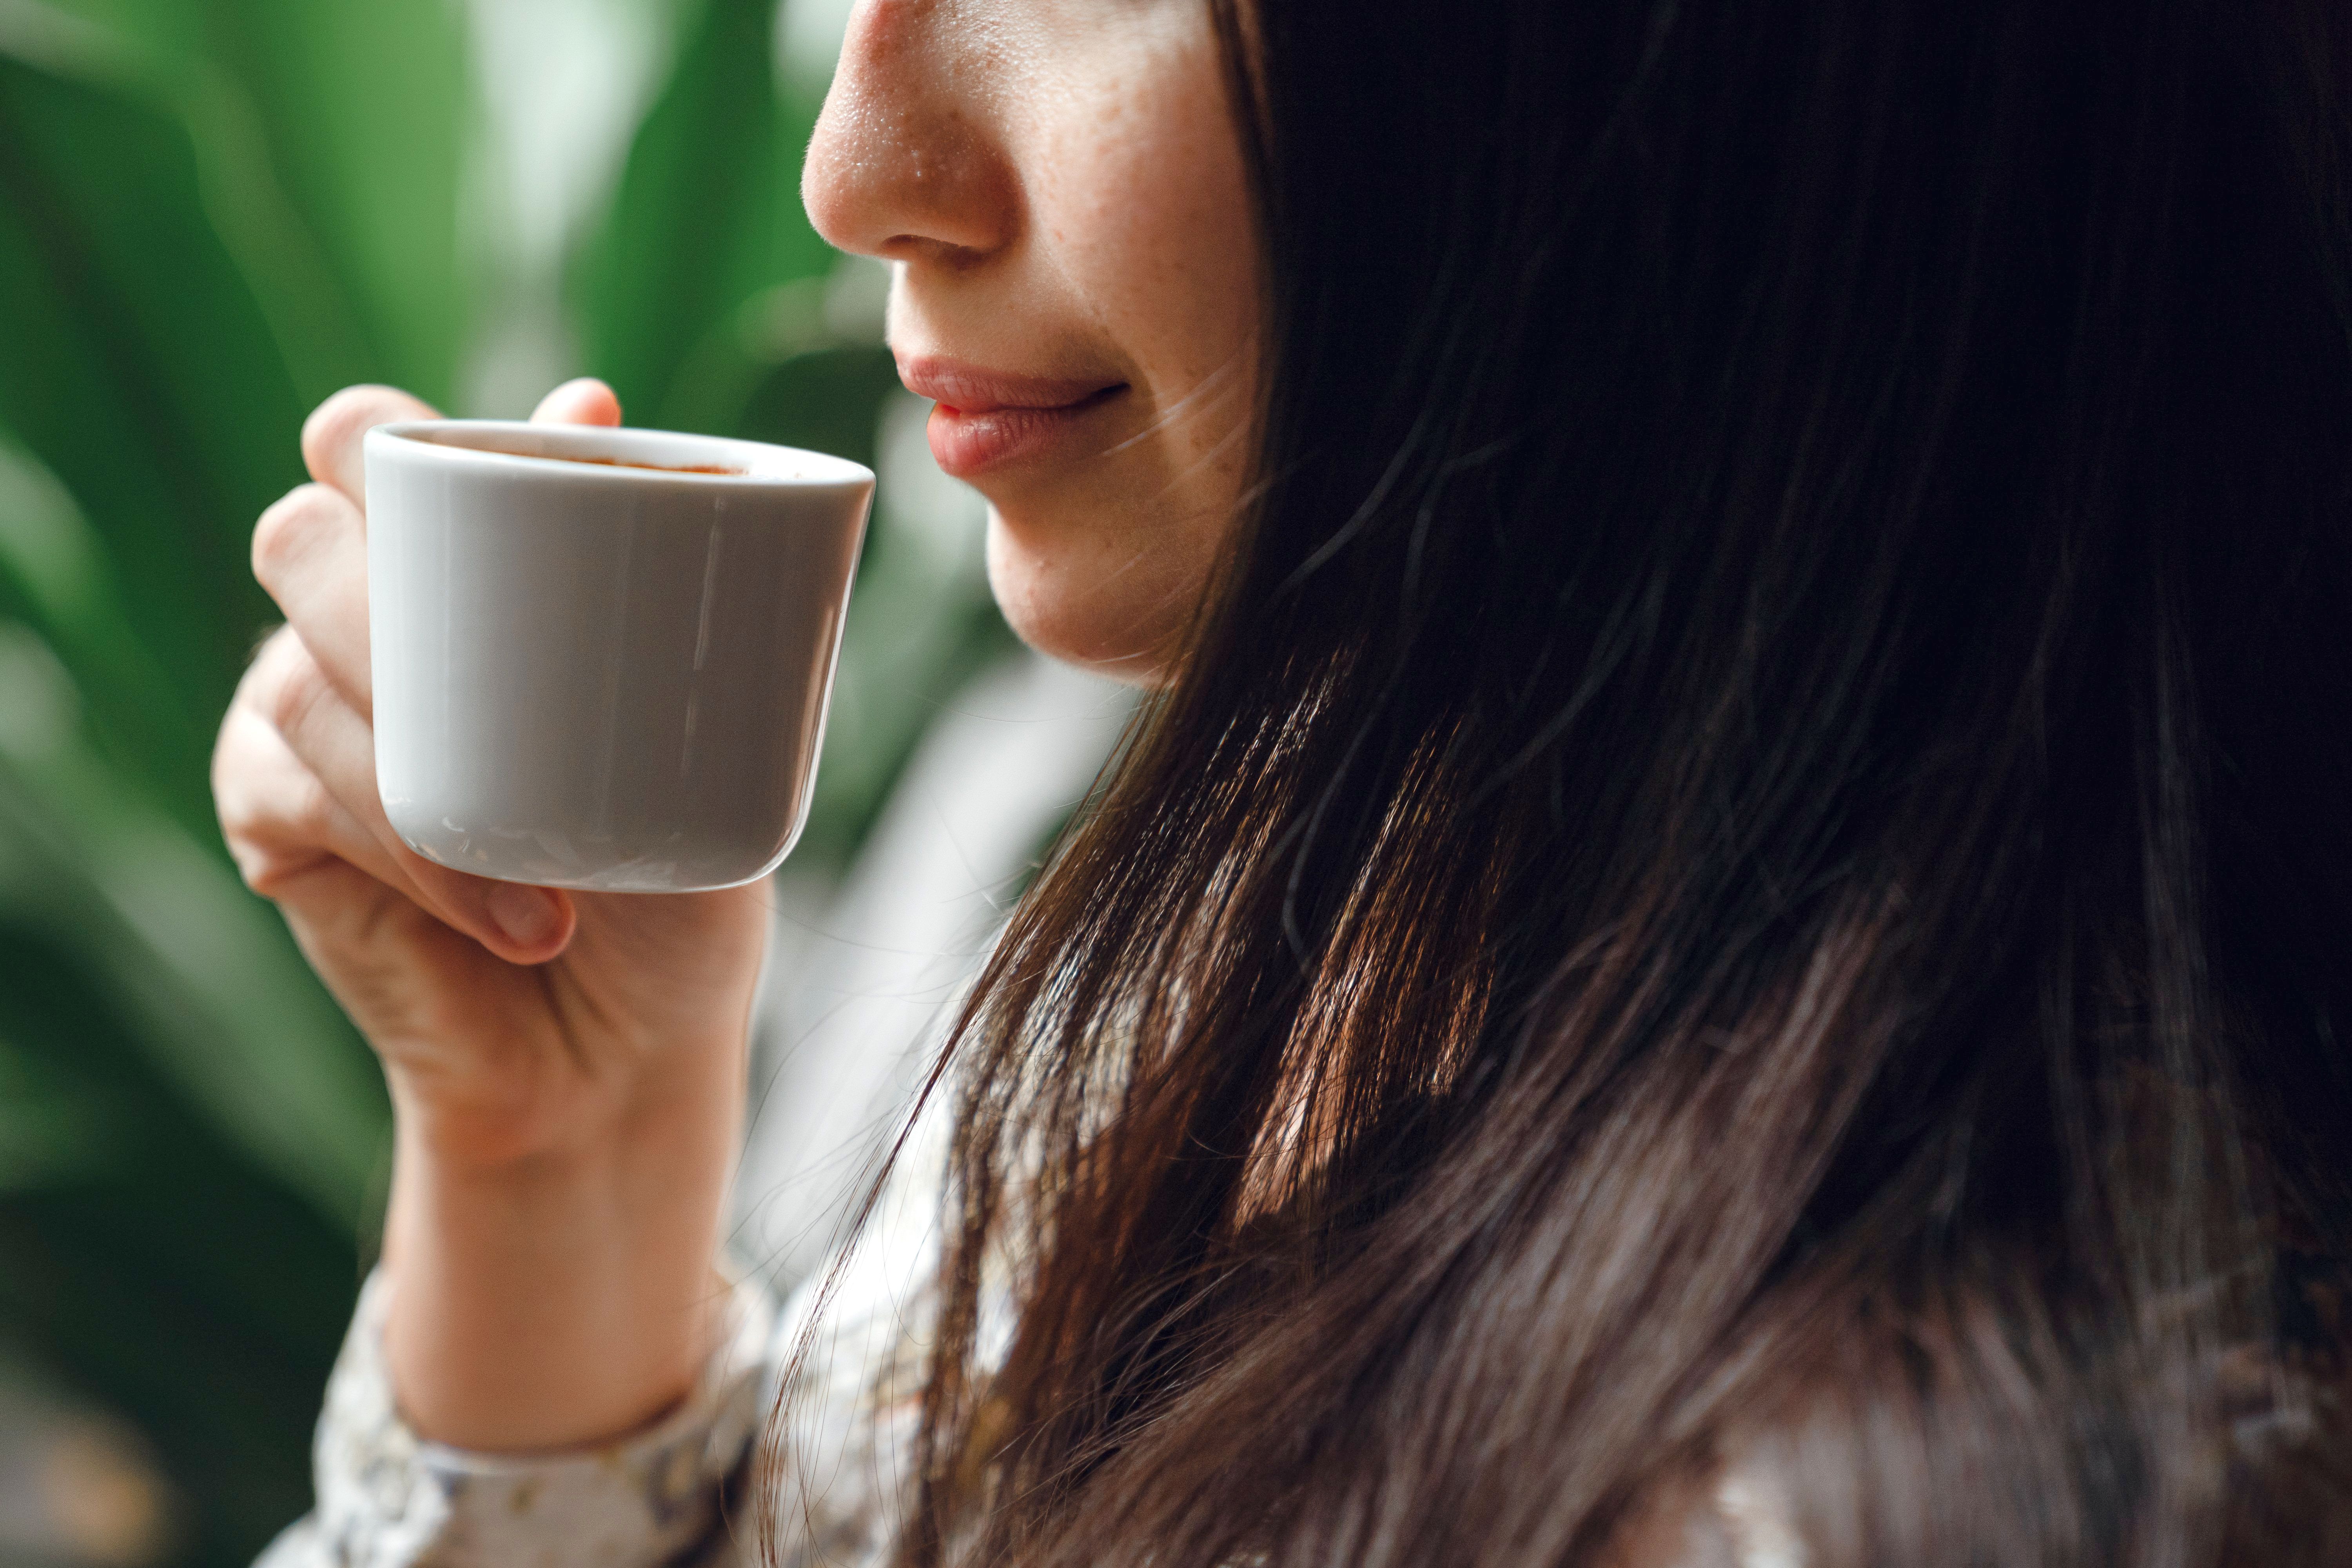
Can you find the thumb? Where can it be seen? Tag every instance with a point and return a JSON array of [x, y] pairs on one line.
[[585, 401]]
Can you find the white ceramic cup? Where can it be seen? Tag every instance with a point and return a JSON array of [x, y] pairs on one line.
[[592, 674]]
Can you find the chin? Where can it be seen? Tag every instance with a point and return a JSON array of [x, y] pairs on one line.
[[1076, 615]]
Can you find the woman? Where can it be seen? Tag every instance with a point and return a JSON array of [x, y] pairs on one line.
[[1724, 940]]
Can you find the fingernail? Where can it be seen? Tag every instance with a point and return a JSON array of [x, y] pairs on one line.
[[525, 915]]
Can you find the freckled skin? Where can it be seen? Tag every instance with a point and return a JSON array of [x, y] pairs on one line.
[[1059, 183]]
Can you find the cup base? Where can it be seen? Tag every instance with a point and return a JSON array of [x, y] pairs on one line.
[[552, 861]]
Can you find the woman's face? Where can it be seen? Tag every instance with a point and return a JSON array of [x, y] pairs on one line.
[[1060, 188]]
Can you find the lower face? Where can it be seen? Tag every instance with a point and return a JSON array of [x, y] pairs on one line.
[[1081, 295]]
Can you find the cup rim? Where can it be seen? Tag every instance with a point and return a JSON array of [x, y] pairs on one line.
[[763, 464]]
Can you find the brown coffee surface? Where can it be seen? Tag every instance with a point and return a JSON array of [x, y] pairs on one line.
[[600, 462], [656, 468]]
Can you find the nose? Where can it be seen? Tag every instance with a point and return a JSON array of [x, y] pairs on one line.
[[907, 162]]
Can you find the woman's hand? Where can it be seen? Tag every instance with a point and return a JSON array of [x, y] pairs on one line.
[[566, 1070]]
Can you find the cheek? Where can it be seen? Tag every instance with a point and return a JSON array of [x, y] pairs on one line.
[[1147, 213], [1140, 217]]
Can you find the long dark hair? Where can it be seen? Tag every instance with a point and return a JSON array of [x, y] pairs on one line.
[[1752, 862]]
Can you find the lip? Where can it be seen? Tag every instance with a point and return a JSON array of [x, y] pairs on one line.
[[986, 419]]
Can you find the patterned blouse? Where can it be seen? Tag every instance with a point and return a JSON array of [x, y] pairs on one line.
[[677, 1493]]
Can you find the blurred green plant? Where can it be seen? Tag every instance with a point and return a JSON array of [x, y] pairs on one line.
[[211, 213]]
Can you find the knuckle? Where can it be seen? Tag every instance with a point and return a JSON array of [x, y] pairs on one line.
[[254, 687], [269, 872], [229, 768], [285, 532], [234, 811], [294, 694], [335, 426], [253, 846], [261, 870], [271, 652], [309, 810], [339, 420], [277, 828]]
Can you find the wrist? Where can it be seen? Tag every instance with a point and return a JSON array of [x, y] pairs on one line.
[[529, 1139], [559, 1291]]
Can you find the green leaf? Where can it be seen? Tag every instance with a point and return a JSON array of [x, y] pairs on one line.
[[152, 392], [190, 1136], [54, 573], [47, 1133], [707, 218], [332, 141], [226, 1012], [364, 109], [162, 1273]]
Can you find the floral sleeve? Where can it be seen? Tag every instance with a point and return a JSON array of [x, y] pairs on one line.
[[387, 1499], [681, 1491]]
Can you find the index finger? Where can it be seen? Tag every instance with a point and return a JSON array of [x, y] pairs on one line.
[[330, 437]]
